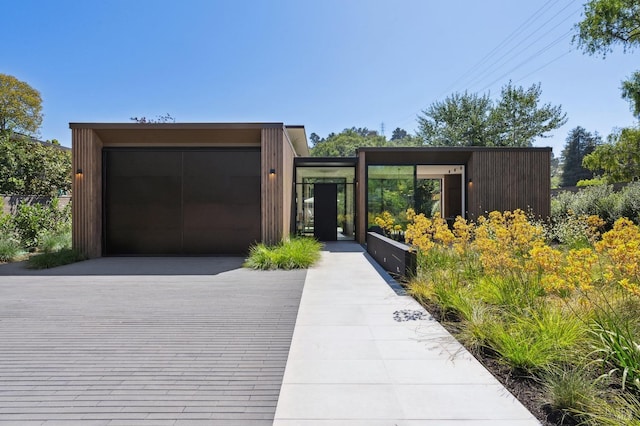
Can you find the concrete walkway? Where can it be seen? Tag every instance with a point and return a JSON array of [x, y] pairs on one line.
[[361, 355]]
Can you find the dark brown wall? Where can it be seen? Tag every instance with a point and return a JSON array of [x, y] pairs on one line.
[[508, 180]]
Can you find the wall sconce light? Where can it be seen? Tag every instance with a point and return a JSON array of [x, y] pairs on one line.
[[79, 172], [470, 181], [272, 172]]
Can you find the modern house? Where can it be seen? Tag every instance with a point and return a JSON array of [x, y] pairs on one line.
[[215, 188]]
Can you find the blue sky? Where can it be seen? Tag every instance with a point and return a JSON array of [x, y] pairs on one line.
[[326, 64]]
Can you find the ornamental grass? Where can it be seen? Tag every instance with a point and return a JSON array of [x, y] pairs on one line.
[[539, 304]]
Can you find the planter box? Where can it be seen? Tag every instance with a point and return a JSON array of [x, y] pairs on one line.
[[396, 258]]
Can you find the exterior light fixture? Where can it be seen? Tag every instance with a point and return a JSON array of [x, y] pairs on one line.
[[272, 172], [79, 172], [470, 181]]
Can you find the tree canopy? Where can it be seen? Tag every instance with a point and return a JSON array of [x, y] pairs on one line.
[[579, 143], [631, 92], [345, 143], [462, 119], [619, 158], [469, 119], [20, 106], [31, 168], [608, 23]]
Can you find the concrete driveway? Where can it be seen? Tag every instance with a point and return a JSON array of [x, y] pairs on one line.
[[145, 341]]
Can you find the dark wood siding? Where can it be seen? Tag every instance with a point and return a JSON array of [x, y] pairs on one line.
[[508, 180]]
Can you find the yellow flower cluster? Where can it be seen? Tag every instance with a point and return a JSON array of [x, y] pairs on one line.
[[424, 233], [621, 246], [504, 239], [507, 243], [385, 221]]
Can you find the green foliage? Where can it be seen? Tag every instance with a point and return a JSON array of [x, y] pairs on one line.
[[9, 248], [31, 221], [619, 158], [617, 410], [578, 144], [296, 253], [538, 341], [608, 23], [55, 258], [569, 390], [345, 143], [631, 92], [617, 347], [51, 241], [601, 201], [516, 119], [20, 106], [459, 120], [31, 168]]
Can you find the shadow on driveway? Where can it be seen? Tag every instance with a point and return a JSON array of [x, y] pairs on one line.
[[132, 266]]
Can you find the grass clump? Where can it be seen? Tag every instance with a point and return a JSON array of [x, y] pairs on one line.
[[294, 253], [54, 258], [10, 249]]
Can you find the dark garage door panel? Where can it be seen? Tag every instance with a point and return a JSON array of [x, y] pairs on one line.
[[181, 201]]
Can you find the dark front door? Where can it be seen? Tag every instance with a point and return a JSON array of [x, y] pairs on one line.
[[325, 211]]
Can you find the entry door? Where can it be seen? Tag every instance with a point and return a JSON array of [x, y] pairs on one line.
[[325, 211]]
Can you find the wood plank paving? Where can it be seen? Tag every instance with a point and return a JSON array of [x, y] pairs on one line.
[[145, 349]]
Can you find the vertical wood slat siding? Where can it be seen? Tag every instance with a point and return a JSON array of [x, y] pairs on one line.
[[272, 185], [510, 180], [287, 185], [87, 192]]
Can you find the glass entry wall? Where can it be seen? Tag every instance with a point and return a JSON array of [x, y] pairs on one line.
[[429, 189], [314, 212]]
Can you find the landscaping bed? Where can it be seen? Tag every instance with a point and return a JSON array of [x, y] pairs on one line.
[[552, 310]]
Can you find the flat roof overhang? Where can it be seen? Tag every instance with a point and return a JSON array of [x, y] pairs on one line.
[[326, 161], [189, 133], [430, 155]]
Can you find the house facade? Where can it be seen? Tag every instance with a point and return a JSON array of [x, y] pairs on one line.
[[216, 188]]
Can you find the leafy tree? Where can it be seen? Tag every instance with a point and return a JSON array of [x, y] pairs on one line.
[[167, 118], [518, 119], [20, 106], [31, 168], [459, 120], [314, 139], [344, 144], [631, 92], [579, 143], [619, 158], [398, 134], [608, 23]]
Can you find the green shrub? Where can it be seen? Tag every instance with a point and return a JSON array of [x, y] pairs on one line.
[[31, 221], [616, 347], [296, 253], [568, 390], [599, 200], [9, 248], [55, 258], [50, 241]]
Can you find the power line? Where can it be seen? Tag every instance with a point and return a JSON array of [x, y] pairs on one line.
[[504, 42]]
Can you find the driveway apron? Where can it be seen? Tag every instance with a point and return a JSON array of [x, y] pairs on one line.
[[145, 341]]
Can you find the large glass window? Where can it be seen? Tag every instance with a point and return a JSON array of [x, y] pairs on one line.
[[390, 189]]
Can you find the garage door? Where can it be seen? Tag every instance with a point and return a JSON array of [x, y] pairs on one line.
[[181, 202]]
